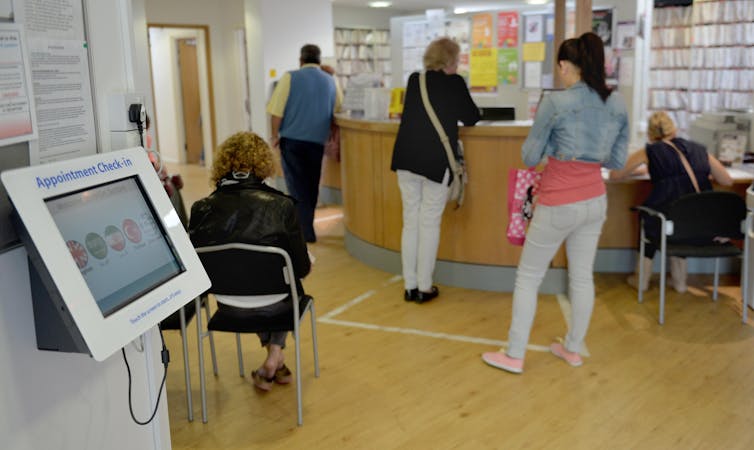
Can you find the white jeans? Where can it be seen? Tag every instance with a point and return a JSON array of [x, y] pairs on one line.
[[423, 205], [580, 225]]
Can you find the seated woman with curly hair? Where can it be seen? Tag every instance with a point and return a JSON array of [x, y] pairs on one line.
[[244, 209]]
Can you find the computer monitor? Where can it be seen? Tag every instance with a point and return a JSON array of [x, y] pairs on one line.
[[109, 258], [498, 113]]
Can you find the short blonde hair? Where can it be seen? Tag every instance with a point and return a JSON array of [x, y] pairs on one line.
[[243, 152], [441, 53], [660, 126]]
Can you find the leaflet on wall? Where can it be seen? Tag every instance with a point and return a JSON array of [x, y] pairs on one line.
[[507, 66], [533, 75], [481, 31], [483, 70], [17, 118], [63, 98], [534, 28], [625, 35], [415, 34], [61, 19], [507, 29]]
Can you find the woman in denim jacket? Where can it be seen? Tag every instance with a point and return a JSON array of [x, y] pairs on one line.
[[578, 131]]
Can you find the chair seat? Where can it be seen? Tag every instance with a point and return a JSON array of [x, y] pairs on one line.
[[704, 251], [249, 320]]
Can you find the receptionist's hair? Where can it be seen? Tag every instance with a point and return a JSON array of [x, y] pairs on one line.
[[243, 152], [441, 53], [660, 126]]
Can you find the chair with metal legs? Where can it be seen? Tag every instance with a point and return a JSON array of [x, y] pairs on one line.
[[692, 227], [246, 270], [178, 321]]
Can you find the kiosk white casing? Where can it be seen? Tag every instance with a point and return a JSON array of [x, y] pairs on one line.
[[92, 329]]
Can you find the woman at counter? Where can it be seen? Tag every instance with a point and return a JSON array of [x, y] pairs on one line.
[[422, 166], [579, 130], [670, 180]]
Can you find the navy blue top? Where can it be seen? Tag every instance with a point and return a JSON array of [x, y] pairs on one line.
[[669, 178]]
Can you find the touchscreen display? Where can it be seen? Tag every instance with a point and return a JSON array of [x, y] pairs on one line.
[[115, 239]]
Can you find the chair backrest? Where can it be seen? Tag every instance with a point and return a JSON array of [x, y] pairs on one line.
[[706, 215], [245, 269]]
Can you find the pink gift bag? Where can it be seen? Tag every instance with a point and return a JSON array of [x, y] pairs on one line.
[[522, 187]]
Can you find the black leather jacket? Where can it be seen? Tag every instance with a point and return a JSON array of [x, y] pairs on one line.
[[250, 212]]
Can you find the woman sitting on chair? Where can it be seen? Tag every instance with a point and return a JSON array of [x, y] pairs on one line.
[[670, 180], [245, 210]]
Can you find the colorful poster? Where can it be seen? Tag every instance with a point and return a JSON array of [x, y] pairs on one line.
[[507, 29], [483, 70], [507, 66], [481, 31], [626, 33], [17, 116], [602, 25], [534, 51]]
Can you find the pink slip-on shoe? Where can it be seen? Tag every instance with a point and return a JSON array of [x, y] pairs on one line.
[[503, 361], [572, 358]]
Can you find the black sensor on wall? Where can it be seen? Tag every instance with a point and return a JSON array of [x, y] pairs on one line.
[[669, 3]]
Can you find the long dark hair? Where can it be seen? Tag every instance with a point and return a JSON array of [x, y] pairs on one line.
[[588, 53]]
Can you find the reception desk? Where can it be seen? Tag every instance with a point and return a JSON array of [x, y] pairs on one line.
[[474, 251]]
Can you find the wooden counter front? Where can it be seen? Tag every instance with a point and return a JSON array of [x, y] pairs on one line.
[[472, 234]]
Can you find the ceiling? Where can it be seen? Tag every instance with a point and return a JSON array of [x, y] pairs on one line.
[[420, 5]]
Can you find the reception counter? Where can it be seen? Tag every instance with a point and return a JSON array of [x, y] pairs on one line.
[[474, 251]]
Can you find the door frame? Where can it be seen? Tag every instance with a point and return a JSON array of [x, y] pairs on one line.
[[208, 153]]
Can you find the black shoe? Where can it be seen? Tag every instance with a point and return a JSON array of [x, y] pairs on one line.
[[422, 297], [410, 295]]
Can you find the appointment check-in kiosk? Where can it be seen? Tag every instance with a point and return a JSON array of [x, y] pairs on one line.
[[108, 256]]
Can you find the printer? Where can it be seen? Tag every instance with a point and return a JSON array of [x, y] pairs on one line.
[[726, 134]]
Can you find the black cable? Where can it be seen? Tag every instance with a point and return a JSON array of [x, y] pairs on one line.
[[165, 354], [140, 126]]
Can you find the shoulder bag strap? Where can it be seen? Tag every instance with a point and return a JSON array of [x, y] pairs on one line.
[[436, 122], [686, 165]]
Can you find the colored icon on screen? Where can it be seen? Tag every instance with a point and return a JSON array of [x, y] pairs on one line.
[[132, 231], [96, 245], [79, 253]]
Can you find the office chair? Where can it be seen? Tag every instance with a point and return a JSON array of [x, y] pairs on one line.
[[687, 230], [178, 321], [245, 269]]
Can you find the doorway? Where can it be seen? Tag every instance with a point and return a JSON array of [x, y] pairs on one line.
[[182, 86]]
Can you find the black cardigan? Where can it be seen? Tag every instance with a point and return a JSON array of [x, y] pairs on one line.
[[418, 148]]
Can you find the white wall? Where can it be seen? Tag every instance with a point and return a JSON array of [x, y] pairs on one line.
[[69, 401], [272, 49], [222, 18], [364, 17]]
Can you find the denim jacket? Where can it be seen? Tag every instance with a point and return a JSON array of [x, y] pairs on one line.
[[576, 124]]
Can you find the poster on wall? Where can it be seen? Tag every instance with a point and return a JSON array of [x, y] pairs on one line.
[[625, 35], [17, 118], [415, 34], [460, 31], [507, 66], [59, 61], [602, 25], [534, 28], [481, 31], [533, 75], [483, 70], [507, 29]]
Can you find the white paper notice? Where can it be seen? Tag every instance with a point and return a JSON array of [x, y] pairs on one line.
[[626, 71], [60, 73], [533, 75], [61, 19], [16, 106], [534, 28]]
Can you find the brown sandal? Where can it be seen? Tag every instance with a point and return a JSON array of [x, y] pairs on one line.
[[283, 375], [261, 382]]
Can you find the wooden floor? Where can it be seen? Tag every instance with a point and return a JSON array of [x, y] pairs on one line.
[[405, 376]]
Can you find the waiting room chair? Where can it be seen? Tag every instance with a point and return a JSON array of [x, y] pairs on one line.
[[687, 230], [243, 269], [178, 321]]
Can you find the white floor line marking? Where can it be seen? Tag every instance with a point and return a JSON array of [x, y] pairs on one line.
[[432, 334], [392, 280], [340, 309], [565, 306], [327, 218]]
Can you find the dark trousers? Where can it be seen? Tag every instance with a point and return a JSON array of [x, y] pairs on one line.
[[302, 167]]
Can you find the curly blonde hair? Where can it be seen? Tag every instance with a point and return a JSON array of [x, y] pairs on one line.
[[660, 126], [441, 53], [243, 152]]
